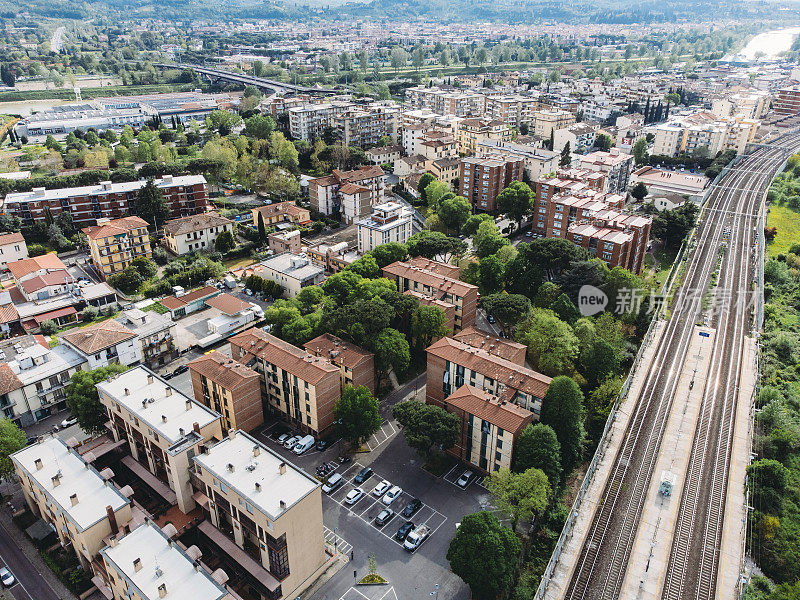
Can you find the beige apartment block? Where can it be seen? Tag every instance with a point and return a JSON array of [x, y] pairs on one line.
[[163, 427], [81, 505], [269, 508], [113, 244]]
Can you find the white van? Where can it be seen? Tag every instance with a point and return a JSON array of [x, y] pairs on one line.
[[334, 482], [305, 443]]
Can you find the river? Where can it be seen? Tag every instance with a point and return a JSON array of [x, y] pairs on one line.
[[770, 43]]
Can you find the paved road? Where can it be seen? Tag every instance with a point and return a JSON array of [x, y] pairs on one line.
[[31, 585]]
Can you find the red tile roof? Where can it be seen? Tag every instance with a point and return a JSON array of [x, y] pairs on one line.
[[11, 238], [337, 350], [98, 336], [498, 412], [115, 227], [26, 266], [222, 370], [8, 313], [228, 304], [8, 379]]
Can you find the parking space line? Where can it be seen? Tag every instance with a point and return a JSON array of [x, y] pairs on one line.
[[337, 541], [352, 589]]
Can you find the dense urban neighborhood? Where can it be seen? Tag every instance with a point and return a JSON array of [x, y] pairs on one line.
[[384, 301]]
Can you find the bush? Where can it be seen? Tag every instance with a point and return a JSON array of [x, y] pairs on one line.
[[89, 313], [160, 256], [36, 250], [48, 327]]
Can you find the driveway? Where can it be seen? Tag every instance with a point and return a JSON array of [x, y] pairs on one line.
[[30, 584]]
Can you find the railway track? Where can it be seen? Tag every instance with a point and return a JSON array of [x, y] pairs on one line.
[[692, 571], [602, 562]]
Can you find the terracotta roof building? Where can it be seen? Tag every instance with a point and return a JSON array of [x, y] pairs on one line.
[[357, 366], [297, 386], [189, 302], [349, 193], [428, 280], [113, 245], [280, 212], [38, 265], [489, 427], [502, 347], [195, 232], [12, 248], [104, 343], [230, 388]]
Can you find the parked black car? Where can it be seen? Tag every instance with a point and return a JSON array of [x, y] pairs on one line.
[[404, 530], [363, 475], [322, 445], [179, 370], [412, 507]]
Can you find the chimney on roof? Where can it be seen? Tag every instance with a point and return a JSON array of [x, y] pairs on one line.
[[163, 418], [162, 590], [188, 405], [38, 464], [127, 392], [256, 450], [112, 520], [149, 379], [230, 467], [168, 391], [258, 486], [74, 499], [56, 479], [181, 431], [196, 428], [282, 468], [137, 564], [283, 505]]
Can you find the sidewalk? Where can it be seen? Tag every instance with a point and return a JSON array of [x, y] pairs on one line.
[[26, 546]]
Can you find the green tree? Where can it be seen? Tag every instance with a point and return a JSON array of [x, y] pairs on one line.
[[427, 324], [509, 309], [602, 142], [391, 352], [222, 121], [262, 231], [48, 327], [12, 439], [146, 267], [523, 495], [485, 555], [83, 401], [490, 275], [357, 415], [225, 241], [552, 345], [471, 225], [259, 127], [566, 156], [639, 191], [150, 204], [454, 212], [672, 226], [516, 201], [639, 151], [386, 254], [598, 362], [424, 181], [435, 245], [562, 409], [127, 281], [426, 426], [768, 480], [537, 448]]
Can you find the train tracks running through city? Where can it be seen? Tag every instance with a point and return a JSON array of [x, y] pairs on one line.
[[601, 564]]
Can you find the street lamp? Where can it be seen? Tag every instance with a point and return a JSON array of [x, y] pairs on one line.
[[335, 540]]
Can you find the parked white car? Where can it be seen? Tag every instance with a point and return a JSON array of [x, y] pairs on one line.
[[392, 495], [354, 496], [381, 488]]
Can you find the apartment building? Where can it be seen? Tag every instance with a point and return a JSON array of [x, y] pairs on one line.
[[619, 239], [429, 300], [81, 505], [435, 146], [292, 272], [12, 248], [229, 388], [445, 170], [195, 233], [185, 195], [114, 244], [356, 365], [664, 182], [33, 380], [364, 188], [332, 257], [104, 343], [163, 427], [267, 507], [536, 161], [382, 155], [300, 388], [429, 281], [482, 179], [446, 101], [512, 109], [579, 136], [616, 166], [146, 564], [285, 241], [389, 222], [365, 127], [472, 132], [490, 427], [572, 181], [546, 122], [310, 121], [787, 101], [281, 212], [155, 333], [703, 129]]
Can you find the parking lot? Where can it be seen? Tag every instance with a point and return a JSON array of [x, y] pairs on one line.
[[369, 506]]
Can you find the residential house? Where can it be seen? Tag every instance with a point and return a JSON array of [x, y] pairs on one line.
[[104, 343], [195, 232]]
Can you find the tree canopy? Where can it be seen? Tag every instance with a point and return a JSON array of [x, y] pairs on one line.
[[82, 398], [357, 415], [427, 427]]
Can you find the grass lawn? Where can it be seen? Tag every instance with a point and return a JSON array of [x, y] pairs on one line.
[[664, 260], [238, 263], [156, 307], [788, 223]]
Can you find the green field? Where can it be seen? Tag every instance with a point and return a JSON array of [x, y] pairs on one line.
[[787, 222]]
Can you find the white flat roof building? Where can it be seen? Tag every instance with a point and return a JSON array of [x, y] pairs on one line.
[[81, 495], [255, 472], [167, 411], [153, 567], [389, 222]]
